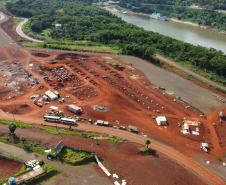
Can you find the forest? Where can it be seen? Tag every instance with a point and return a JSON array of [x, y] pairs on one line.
[[206, 4], [83, 21], [200, 16]]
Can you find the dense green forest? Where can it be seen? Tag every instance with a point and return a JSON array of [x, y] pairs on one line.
[[200, 16], [208, 4], [83, 21]]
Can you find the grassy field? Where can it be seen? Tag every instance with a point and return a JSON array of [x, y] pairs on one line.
[[68, 46], [18, 21]]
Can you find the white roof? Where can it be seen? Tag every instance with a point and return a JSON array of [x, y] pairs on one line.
[[100, 121], [161, 118], [74, 107], [106, 123], [53, 107], [57, 24]]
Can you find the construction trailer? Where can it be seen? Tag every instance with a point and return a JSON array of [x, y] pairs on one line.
[[74, 108], [100, 122], [132, 128], [204, 146], [106, 123], [51, 95], [46, 98], [221, 114], [161, 120]]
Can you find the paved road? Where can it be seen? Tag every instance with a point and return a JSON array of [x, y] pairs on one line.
[[190, 72], [83, 176], [21, 33]]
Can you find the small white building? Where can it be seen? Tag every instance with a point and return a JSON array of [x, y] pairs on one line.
[[58, 26], [51, 95], [161, 120], [74, 108], [100, 122]]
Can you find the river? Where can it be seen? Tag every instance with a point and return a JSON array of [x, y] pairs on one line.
[[180, 31]]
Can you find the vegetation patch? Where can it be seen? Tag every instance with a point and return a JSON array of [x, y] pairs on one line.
[[147, 151], [115, 140], [73, 158], [221, 90], [29, 145], [18, 21]]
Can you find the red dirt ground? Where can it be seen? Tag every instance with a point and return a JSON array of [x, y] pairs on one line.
[[86, 74], [8, 167], [96, 90], [122, 159]]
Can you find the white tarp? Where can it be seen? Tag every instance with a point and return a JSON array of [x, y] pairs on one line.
[[102, 167], [36, 167], [53, 107], [195, 133], [186, 131]]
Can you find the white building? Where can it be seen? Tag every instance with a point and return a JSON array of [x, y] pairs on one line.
[[74, 109], [51, 95], [58, 26], [161, 120]]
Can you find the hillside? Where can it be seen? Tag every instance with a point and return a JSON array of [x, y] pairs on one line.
[[83, 21]]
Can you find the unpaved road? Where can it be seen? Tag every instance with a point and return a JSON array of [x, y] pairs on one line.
[[157, 76], [174, 154]]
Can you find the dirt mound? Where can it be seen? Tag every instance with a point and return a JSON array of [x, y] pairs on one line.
[[40, 54], [17, 108], [69, 55], [8, 167]]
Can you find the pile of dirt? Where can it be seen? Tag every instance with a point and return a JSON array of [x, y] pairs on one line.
[[40, 54], [8, 167], [69, 55], [17, 108]]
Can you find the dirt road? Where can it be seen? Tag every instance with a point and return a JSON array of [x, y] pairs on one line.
[[176, 155]]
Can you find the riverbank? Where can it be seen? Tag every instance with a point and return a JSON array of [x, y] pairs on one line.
[[120, 9]]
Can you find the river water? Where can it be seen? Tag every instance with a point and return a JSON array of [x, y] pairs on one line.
[[180, 31]]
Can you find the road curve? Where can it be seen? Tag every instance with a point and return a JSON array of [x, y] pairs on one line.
[[195, 167], [190, 72], [21, 33]]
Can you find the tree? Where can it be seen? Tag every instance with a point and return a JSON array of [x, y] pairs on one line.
[[12, 127], [147, 142], [23, 139]]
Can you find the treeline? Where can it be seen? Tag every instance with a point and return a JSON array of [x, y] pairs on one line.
[[207, 4], [83, 21], [200, 16]]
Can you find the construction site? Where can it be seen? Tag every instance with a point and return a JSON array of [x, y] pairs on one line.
[[80, 89], [106, 89]]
